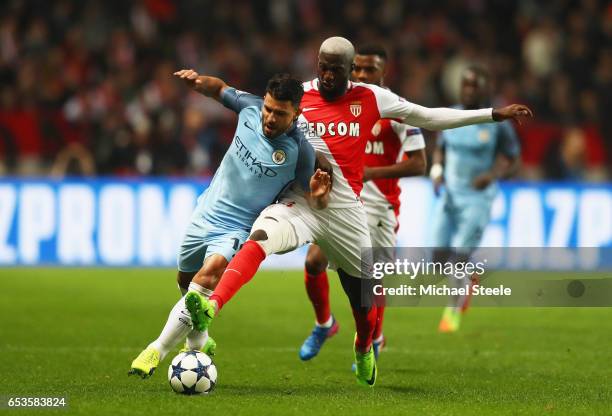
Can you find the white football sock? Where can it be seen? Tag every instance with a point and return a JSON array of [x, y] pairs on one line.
[[207, 293], [197, 339], [326, 324], [177, 327]]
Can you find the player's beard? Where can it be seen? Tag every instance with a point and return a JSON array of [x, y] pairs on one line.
[[332, 94], [275, 132]]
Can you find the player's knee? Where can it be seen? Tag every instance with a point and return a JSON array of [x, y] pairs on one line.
[[258, 235], [315, 263]]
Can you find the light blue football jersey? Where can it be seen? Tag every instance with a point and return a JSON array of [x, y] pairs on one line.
[[255, 169], [462, 212], [471, 150]]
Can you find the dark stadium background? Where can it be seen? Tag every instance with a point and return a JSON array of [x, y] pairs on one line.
[[86, 86]]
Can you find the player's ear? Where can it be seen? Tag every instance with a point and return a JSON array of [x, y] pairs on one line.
[[297, 113]]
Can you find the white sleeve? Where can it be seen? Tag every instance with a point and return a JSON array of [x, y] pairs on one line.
[[391, 105], [410, 137]]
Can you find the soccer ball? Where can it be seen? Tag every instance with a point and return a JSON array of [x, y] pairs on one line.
[[192, 372]]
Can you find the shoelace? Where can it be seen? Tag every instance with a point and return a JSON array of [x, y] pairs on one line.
[[150, 359], [315, 338]]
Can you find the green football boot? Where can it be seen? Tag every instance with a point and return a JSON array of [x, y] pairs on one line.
[[365, 370], [201, 310]]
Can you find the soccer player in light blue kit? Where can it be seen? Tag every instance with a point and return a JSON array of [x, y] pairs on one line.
[[268, 154], [468, 161]]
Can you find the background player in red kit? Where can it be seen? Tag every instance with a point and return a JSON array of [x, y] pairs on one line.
[[393, 150], [337, 111]]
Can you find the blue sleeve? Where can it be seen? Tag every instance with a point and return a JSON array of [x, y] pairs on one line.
[[507, 140], [305, 164], [237, 100]]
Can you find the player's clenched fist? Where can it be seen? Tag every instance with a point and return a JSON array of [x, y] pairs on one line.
[[514, 111]]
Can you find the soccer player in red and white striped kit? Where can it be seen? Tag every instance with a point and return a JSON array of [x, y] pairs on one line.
[[393, 150]]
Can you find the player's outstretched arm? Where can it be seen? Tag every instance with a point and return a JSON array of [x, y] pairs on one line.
[[450, 118], [320, 187], [393, 106], [209, 86]]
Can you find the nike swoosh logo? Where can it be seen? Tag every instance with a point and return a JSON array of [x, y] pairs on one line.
[[372, 379], [305, 109], [248, 126]]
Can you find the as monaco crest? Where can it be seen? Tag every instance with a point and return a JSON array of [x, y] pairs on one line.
[[355, 109]]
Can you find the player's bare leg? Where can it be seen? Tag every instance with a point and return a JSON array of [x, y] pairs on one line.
[[317, 287], [183, 279]]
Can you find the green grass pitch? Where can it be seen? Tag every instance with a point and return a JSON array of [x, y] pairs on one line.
[[74, 332]]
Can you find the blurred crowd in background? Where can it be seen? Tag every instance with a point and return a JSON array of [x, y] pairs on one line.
[[86, 87]]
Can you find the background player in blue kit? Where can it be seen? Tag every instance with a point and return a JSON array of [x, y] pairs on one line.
[[267, 155], [468, 161]]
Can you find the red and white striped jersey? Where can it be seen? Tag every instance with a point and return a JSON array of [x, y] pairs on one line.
[[340, 130], [387, 144]]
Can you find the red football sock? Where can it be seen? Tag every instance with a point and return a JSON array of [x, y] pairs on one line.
[[380, 314], [239, 271], [317, 287], [365, 323]]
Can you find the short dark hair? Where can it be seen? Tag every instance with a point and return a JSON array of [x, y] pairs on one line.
[[373, 49], [284, 87]]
